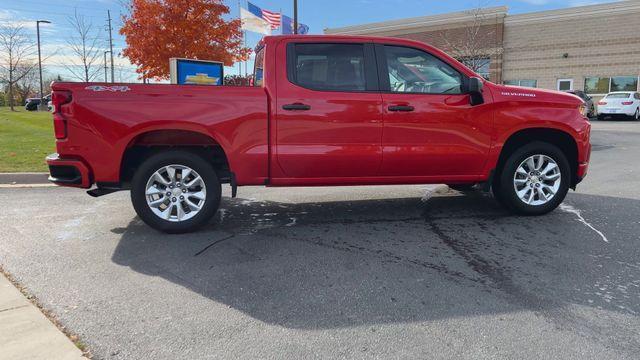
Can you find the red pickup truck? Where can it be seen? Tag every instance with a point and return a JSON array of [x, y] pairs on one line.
[[325, 110]]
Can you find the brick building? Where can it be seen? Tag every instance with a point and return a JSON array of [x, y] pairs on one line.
[[593, 48]]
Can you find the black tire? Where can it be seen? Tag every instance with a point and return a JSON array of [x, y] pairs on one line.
[[636, 116], [175, 157], [505, 192], [600, 117]]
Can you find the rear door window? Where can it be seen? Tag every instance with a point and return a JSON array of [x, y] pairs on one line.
[[329, 67]]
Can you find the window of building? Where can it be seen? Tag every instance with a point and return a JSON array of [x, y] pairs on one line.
[[479, 65], [330, 67], [565, 84], [525, 83], [596, 85], [603, 85], [624, 83], [416, 71]]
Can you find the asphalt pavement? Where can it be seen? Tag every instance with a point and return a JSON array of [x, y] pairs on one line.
[[349, 272]]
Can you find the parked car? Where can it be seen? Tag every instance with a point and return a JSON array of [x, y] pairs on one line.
[[590, 107], [620, 103], [31, 104], [329, 110]]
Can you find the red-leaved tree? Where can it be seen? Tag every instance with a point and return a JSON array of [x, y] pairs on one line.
[[157, 30]]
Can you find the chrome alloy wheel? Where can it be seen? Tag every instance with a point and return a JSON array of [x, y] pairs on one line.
[[537, 180], [176, 193]]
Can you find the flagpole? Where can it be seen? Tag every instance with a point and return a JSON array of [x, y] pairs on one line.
[[240, 17], [295, 16], [246, 63]]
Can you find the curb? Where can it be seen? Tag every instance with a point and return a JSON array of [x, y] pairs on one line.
[[24, 178], [26, 332]]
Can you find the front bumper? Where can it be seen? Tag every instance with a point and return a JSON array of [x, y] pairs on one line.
[[68, 172]]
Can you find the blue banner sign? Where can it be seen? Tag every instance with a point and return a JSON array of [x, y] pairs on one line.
[[196, 72]]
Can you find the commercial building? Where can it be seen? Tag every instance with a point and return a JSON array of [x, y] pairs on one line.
[[593, 48]]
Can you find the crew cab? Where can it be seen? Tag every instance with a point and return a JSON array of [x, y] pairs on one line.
[[323, 111]]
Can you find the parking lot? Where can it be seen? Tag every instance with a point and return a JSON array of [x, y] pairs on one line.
[[350, 272]]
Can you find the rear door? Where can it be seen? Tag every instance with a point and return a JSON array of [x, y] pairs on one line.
[[329, 111], [430, 128]]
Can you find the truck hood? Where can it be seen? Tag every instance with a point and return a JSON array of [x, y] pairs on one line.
[[520, 93]]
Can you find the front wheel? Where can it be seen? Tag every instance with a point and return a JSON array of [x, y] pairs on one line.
[[534, 179], [175, 191]]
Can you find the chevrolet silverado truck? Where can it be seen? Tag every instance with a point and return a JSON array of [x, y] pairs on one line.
[[323, 111]]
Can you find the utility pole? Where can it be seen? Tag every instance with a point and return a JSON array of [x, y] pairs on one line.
[[295, 16], [42, 106], [110, 44], [106, 79]]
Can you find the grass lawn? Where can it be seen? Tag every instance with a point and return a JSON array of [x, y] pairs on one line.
[[26, 138]]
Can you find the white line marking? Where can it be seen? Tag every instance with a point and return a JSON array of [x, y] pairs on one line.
[[571, 209]]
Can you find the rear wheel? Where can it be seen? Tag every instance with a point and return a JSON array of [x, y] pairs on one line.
[[175, 191], [636, 116], [534, 179]]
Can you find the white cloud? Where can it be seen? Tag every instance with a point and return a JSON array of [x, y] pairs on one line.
[[536, 2], [574, 3]]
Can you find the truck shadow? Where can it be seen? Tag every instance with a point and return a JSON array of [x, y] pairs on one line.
[[344, 264]]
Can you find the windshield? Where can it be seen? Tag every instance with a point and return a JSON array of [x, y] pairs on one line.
[[619, 96]]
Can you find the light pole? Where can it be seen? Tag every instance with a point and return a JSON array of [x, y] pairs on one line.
[[105, 65], [42, 106]]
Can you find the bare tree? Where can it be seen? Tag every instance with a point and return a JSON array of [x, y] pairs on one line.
[[475, 43], [16, 52], [84, 41], [28, 85]]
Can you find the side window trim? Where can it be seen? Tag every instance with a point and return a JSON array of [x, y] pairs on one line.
[[383, 71], [370, 73]]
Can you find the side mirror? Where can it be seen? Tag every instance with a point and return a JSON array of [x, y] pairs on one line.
[[474, 88]]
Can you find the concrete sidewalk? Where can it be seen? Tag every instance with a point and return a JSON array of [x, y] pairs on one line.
[[25, 333]]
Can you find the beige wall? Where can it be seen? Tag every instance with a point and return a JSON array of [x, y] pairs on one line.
[[604, 41]]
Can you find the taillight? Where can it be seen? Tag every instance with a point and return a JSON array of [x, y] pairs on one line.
[[59, 98], [59, 126], [627, 102], [602, 103]]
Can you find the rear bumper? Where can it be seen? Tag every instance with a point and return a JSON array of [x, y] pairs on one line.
[[68, 172]]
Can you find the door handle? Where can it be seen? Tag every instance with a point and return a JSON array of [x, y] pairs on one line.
[[401, 108], [296, 106]]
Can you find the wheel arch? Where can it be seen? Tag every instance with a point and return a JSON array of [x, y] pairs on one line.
[[151, 141], [560, 138]]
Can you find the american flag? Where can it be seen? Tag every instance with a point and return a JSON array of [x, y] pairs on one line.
[[273, 18]]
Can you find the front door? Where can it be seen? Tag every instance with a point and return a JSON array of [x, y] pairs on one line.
[[430, 128], [329, 111]]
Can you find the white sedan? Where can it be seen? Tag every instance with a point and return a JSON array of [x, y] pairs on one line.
[[620, 103]]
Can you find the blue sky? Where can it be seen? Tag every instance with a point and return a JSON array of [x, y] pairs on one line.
[[317, 14]]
